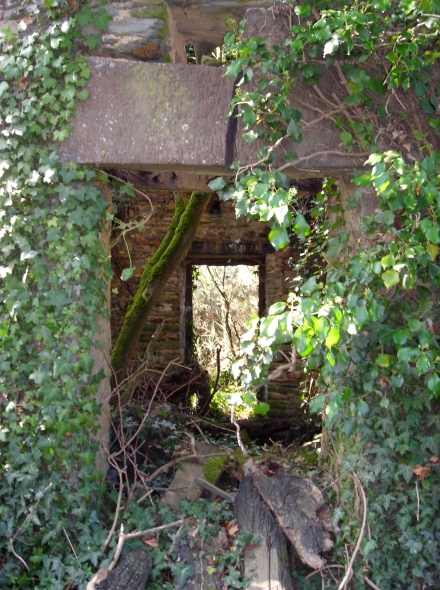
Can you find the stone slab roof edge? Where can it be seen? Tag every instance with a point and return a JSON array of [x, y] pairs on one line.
[[173, 117]]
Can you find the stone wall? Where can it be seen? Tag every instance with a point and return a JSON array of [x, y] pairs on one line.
[[220, 239], [150, 30], [157, 32]]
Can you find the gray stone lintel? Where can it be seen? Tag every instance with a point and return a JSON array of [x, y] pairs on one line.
[[171, 118]]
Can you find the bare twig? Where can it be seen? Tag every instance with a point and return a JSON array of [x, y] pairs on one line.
[[237, 426], [290, 366], [176, 536], [206, 405], [263, 160], [26, 520], [25, 565], [136, 190], [324, 153], [322, 569], [418, 501], [349, 571], [118, 504], [146, 495], [194, 420], [147, 413], [371, 584], [70, 543], [214, 489], [136, 534]]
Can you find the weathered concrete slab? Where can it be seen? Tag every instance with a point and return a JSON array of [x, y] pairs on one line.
[[171, 117], [152, 117], [184, 484]]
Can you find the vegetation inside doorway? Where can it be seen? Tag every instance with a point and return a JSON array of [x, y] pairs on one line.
[[223, 298]]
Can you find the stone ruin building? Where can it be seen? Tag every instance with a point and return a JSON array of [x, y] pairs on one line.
[[161, 123]]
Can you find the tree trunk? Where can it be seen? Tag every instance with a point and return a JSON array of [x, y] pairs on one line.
[[156, 273]]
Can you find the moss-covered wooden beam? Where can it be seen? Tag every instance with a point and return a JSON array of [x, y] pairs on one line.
[[155, 275]]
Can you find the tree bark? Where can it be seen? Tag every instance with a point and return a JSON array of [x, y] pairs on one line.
[[155, 275], [132, 572], [266, 565]]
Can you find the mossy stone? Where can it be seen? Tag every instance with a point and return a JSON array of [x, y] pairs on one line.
[[213, 468]]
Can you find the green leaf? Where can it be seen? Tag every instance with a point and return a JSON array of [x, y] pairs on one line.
[[309, 286], [261, 409], [316, 403], [294, 130], [83, 95], [249, 116], [332, 337], [376, 85], [383, 360], [277, 308], [368, 546], [127, 273], [401, 336], [408, 354], [346, 138], [291, 157], [429, 105], [234, 68], [250, 137], [303, 10], [387, 261], [390, 278], [101, 19], [424, 364], [4, 86], [248, 398], [431, 230], [269, 326], [279, 238], [434, 383], [406, 471], [181, 572], [217, 184], [301, 227]]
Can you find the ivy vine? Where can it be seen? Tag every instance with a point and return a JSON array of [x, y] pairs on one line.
[[366, 320], [52, 278]]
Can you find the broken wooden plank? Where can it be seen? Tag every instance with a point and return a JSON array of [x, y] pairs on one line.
[[267, 564]]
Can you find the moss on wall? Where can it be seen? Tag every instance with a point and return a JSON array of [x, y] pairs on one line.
[[155, 275]]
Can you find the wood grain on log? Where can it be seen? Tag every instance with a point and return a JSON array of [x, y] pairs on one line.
[[131, 574], [266, 565], [300, 509]]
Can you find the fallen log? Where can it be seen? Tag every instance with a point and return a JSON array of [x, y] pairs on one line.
[[192, 569], [301, 512], [266, 564], [298, 508], [132, 573]]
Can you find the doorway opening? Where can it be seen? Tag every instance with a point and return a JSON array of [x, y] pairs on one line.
[[220, 299]]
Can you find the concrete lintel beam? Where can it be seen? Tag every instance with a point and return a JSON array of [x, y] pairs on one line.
[[151, 117], [172, 118]]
